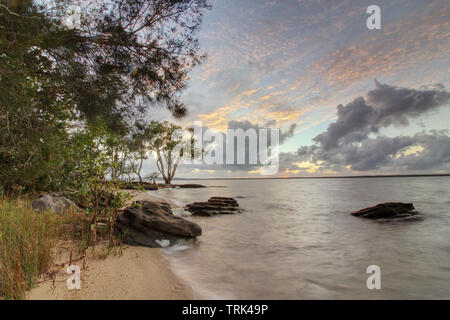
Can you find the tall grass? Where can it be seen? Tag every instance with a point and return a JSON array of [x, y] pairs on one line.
[[26, 240]]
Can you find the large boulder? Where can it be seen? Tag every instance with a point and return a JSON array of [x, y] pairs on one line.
[[390, 211], [54, 203], [152, 224], [214, 206]]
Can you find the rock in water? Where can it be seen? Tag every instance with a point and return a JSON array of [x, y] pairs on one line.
[[214, 206], [390, 211], [137, 186], [191, 186], [149, 222], [54, 203]]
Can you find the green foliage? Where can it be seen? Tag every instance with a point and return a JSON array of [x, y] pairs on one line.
[[33, 116], [97, 176], [124, 57]]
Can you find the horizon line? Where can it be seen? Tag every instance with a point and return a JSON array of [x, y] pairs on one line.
[[326, 177]]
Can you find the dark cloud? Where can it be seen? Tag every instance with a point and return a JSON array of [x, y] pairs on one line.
[[436, 153], [287, 134], [394, 105], [346, 141], [385, 106], [370, 154], [353, 124]]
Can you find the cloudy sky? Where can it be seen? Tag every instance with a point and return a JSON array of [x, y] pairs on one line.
[[349, 100]]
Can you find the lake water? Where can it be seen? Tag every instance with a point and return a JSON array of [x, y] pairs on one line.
[[296, 240]]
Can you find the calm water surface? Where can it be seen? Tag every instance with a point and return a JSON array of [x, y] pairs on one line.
[[296, 240]]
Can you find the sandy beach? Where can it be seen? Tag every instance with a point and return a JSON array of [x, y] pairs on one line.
[[139, 273]]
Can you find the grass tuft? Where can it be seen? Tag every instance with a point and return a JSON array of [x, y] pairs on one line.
[[26, 242]]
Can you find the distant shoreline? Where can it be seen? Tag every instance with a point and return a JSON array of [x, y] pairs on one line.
[[323, 177]]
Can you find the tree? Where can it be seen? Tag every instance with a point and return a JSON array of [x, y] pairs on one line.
[[152, 177], [139, 147], [97, 174], [127, 55], [124, 57], [33, 114], [168, 147]]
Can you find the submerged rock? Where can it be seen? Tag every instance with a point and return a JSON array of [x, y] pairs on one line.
[[214, 206], [390, 211], [153, 224], [54, 203]]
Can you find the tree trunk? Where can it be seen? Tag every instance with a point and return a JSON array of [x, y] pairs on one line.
[[167, 181], [139, 172], [160, 165]]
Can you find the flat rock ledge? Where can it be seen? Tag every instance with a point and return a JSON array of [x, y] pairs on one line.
[[390, 211], [153, 224], [214, 206]]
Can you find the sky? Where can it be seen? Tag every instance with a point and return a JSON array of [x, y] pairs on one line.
[[348, 100]]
